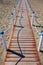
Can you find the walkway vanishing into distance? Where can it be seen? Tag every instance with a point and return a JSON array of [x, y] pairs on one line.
[[22, 49]]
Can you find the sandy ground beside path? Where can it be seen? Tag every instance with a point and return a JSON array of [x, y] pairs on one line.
[[5, 18], [37, 6]]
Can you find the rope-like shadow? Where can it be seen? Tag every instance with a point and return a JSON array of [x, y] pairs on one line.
[[21, 27], [18, 61], [18, 40], [38, 26], [18, 54], [41, 51]]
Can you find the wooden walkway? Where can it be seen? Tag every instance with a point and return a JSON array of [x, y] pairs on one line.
[[22, 41]]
